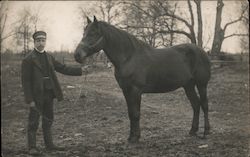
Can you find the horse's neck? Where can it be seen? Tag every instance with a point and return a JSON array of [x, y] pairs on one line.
[[120, 46], [118, 52], [117, 56]]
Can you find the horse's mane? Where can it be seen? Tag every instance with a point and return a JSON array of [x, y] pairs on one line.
[[127, 40]]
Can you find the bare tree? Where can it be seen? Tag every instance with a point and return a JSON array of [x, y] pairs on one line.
[[133, 17], [219, 35], [26, 26], [148, 31], [109, 10], [144, 19], [170, 24], [168, 16], [190, 24], [3, 18], [84, 13], [245, 19], [23, 30]]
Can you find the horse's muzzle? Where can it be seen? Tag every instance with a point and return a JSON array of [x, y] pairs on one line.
[[79, 57], [79, 54]]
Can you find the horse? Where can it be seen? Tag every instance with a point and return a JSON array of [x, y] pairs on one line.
[[140, 68]]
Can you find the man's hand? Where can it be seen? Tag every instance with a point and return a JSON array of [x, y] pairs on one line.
[[32, 104]]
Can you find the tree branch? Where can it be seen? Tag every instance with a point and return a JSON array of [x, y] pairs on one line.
[[230, 23], [191, 12], [129, 26], [237, 20], [4, 22], [7, 36], [138, 7], [235, 34], [165, 14], [176, 31], [177, 17]]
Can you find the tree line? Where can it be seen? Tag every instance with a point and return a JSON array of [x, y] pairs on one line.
[[157, 22]]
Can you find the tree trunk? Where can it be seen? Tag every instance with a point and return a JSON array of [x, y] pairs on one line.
[[1, 50], [199, 16], [193, 40], [219, 32], [171, 33], [24, 38], [191, 26]]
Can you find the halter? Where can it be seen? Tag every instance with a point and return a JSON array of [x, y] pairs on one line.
[[95, 46]]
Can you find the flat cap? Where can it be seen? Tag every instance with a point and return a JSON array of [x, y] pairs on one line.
[[39, 34]]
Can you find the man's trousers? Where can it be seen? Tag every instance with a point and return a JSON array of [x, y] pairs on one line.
[[44, 109]]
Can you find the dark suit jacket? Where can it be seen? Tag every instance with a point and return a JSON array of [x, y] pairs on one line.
[[32, 77]]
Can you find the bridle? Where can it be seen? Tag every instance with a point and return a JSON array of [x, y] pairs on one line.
[[97, 43], [94, 47]]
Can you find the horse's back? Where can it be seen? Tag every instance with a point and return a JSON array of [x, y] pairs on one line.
[[197, 60], [192, 57]]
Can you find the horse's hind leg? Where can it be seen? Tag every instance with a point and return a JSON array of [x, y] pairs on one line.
[[194, 100], [204, 105]]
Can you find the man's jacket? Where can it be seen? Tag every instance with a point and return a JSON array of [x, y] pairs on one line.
[[33, 77]]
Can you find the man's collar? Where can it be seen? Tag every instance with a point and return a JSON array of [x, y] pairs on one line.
[[39, 51]]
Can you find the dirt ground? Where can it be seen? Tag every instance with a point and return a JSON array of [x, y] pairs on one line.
[[92, 120]]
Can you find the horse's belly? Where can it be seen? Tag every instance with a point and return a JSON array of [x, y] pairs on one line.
[[166, 82], [162, 86], [157, 77], [159, 89]]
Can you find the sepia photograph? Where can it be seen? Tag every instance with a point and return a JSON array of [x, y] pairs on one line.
[[125, 78]]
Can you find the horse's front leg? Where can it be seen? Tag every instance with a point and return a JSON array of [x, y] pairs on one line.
[[133, 99]]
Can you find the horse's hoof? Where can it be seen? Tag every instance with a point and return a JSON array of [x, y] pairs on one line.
[[192, 133], [206, 132], [133, 140]]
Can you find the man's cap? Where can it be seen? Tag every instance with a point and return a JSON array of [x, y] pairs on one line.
[[39, 34]]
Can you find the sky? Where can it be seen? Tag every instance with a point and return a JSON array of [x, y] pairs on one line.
[[64, 25], [61, 20]]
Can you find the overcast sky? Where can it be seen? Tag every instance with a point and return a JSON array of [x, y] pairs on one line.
[[61, 20], [63, 24]]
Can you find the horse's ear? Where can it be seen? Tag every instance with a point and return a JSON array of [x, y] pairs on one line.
[[88, 20], [95, 20]]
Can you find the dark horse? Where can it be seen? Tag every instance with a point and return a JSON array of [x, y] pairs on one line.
[[140, 68]]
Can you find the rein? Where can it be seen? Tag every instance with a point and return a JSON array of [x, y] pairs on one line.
[[80, 91], [95, 45]]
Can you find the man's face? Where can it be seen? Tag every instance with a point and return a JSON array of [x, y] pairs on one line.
[[40, 43]]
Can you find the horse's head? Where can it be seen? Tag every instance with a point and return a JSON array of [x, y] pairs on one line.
[[92, 41]]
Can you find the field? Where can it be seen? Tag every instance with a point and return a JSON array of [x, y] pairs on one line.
[[92, 120]]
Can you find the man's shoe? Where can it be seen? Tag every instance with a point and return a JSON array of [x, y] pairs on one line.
[[48, 141], [34, 151], [55, 148]]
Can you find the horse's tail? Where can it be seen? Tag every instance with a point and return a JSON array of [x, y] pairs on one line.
[[198, 62], [202, 65]]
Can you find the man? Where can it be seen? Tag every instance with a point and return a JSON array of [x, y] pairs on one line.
[[40, 87]]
